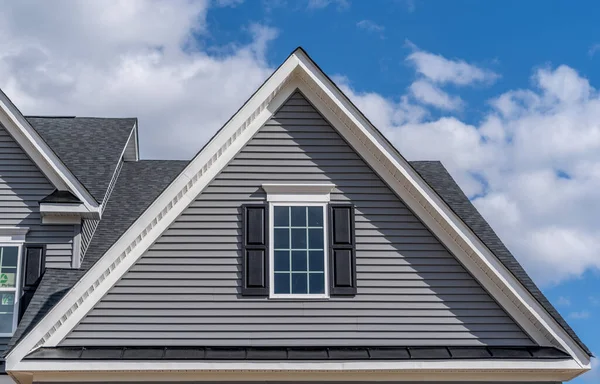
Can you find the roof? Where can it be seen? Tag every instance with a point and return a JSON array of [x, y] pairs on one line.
[[89, 146], [295, 353], [139, 183], [438, 178]]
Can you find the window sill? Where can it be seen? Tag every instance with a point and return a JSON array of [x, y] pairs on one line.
[[298, 297]]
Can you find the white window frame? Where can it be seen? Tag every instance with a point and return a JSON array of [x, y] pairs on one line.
[[272, 294], [303, 195], [17, 288], [14, 237]]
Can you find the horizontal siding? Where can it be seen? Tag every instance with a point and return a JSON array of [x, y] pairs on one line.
[[185, 288], [22, 186]]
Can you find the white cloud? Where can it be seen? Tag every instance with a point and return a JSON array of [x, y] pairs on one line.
[[538, 151], [319, 4], [428, 93], [581, 315], [439, 69], [370, 26], [563, 301], [129, 58]]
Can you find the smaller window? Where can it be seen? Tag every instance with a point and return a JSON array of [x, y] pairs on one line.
[[9, 284], [298, 250]]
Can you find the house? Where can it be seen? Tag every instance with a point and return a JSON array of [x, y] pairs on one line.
[[298, 245]]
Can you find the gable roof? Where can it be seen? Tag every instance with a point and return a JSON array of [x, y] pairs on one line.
[[436, 175], [90, 147], [139, 183], [299, 72], [42, 155]]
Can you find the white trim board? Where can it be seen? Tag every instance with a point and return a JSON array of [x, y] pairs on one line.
[[368, 371], [299, 72], [41, 154]]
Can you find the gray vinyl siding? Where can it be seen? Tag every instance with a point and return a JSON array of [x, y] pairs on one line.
[[185, 289], [22, 186]]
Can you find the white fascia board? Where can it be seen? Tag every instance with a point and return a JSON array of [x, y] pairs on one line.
[[64, 316], [503, 286], [436, 208], [41, 154], [422, 370]]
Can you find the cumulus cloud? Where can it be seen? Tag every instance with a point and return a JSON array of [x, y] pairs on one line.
[[124, 58], [429, 94], [439, 69], [531, 165]]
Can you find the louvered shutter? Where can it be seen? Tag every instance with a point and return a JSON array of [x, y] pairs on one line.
[[33, 269], [255, 255], [342, 252]]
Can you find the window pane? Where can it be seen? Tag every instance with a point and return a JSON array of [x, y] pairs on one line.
[[315, 238], [282, 283], [315, 216], [299, 261], [298, 216], [6, 312], [281, 238], [282, 261], [316, 261], [281, 216], [9, 256], [317, 283], [299, 238], [299, 283]]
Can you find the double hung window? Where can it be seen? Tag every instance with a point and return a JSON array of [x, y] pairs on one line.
[[299, 250]]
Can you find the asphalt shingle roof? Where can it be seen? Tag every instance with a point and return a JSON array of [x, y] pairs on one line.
[[438, 178], [138, 185], [89, 146]]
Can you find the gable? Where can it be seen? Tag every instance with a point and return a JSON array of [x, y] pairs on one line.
[[299, 71], [185, 289], [22, 186]]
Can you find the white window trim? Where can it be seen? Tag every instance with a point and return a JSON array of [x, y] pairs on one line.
[[292, 193], [296, 296], [17, 288]]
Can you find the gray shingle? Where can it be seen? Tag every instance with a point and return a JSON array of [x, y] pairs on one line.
[[138, 185], [438, 178], [90, 147]]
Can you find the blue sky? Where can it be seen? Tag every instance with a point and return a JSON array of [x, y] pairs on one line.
[[503, 92]]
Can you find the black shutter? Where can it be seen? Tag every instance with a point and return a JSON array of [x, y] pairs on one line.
[[342, 251], [255, 255], [33, 269]]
